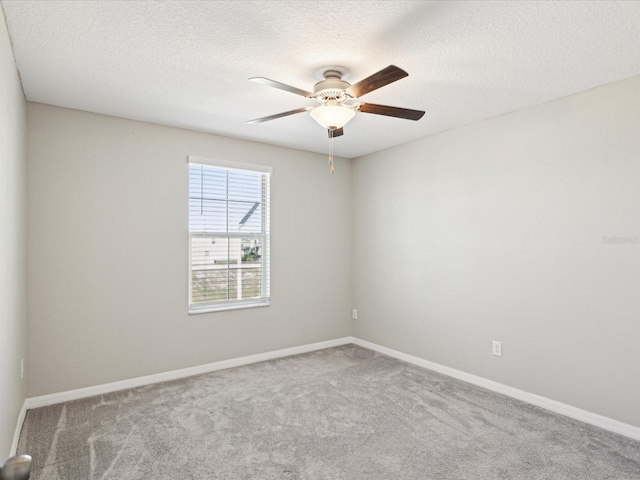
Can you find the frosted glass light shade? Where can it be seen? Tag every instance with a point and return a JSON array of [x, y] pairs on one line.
[[332, 116]]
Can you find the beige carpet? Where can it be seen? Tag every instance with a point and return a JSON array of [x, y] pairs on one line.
[[341, 413]]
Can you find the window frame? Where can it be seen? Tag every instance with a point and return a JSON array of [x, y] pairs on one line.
[[265, 299]]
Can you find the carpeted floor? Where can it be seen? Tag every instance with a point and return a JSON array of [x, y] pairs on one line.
[[342, 413]]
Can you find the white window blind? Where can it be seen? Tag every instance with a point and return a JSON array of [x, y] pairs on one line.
[[228, 237]]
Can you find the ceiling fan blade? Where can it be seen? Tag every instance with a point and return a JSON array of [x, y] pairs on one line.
[[336, 132], [279, 115], [383, 77], [405, 113], [281, 86]]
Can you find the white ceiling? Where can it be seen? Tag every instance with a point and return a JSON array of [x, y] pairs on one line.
[[186, 63]]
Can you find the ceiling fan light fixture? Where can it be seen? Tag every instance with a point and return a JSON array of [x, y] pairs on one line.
[[332, 116]]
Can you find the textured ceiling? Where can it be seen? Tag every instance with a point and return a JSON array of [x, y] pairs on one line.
[[186, 63]]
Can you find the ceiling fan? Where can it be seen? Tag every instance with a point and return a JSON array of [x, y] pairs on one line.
[[336, 98]]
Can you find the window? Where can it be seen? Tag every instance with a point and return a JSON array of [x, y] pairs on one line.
[[228, 235]]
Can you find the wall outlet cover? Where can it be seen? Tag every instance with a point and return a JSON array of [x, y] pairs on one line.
[[497, 348]]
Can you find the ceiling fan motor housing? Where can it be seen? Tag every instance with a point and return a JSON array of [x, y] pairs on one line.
[[331, 88]]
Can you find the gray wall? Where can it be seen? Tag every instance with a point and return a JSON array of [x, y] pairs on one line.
[[108, 239], [13, 239], [495, 231]]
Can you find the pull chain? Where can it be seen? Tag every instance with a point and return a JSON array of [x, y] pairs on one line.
[[332, 170]]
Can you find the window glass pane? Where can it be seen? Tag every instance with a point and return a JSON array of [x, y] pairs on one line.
[[210, 251], [208, 207], [251, 282], [251, 250], [209, 286], [245, 217], [211, 258], [207, 183], [246, 282], [207, 215], [245, 186]]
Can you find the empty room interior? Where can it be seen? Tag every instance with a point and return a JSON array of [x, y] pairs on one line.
[[328, 240]]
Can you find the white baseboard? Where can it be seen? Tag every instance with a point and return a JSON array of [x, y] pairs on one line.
[[41, 401], [16, 435], [543, 402]]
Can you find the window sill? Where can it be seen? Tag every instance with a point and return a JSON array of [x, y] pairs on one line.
[[229, 306]]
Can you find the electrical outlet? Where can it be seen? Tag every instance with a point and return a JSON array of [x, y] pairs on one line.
[[354, 313], [497, 349], [22, 368]]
